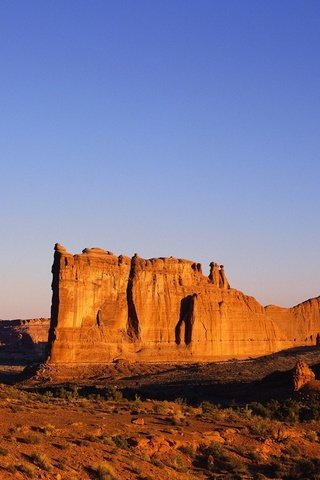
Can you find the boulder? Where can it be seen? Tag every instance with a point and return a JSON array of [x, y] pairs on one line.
[[302, 375]]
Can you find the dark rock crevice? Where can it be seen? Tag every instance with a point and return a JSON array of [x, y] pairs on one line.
[[186, 320], [133, 328], [55, 301]]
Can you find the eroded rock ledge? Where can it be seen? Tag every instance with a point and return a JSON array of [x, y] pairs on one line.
[[162, 309]]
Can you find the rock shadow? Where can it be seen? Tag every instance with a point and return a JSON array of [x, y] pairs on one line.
[[183, 330]]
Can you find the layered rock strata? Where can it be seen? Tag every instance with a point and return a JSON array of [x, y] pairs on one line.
[[162, 309]]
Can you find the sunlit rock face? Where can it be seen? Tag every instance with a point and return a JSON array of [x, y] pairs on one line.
[[302, 375], [106, 307]]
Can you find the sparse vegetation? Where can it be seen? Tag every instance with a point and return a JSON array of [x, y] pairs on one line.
[[30, 439], [27, 470], [305, 469], [41, 460], [258, 441], [114, 394], [4, 451], [120, 441], [290, 410], [104, 471]]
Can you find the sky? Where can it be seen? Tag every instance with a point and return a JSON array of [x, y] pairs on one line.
[[188, 128]]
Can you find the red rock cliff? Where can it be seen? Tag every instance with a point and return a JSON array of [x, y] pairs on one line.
[[164, 309]]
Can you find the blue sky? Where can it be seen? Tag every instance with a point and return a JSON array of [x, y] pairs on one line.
[[184, 128]]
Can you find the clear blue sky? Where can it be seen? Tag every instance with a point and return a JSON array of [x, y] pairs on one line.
[[168, 127]]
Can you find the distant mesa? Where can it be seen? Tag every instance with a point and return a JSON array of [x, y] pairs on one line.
[[23, 341], [107, 307]]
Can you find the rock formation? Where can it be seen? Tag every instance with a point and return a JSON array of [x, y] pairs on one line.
[[162, 309], [23, 341], [214, 275], [302, 375]]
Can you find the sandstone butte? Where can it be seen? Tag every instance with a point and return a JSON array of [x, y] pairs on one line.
[[106, 307]]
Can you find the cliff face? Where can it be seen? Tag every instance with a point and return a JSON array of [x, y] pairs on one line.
[[106, 307], [300, 323]]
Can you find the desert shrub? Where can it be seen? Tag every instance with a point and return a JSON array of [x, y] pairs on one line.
[[11, 392], [61, 446], [236, 466], [114, 394], [290, 410], [91, 438], [120, 441], [275, 469], [94, 396], [212, 410], [305, 469], [104, 471], [246, 412], [176, 419], [187, 450], [61, 463], [145, 457], [135, 468], [259, 409], [247, 452], [15, 408], [27, 470], [136, 406], [157, 462], [161, 408], [310, 410], [262, 429], [4, 451], [106, 439], [30, 439], [216, 458], [81, 442], [11, 468], [280, 433], [63, 393], [189, 410], [177, 463], [48, 395], [83, 403], [48, 428], [292, 450], [68, 393], [41, 461], [230, 414], [312, 436], [215, 449]]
